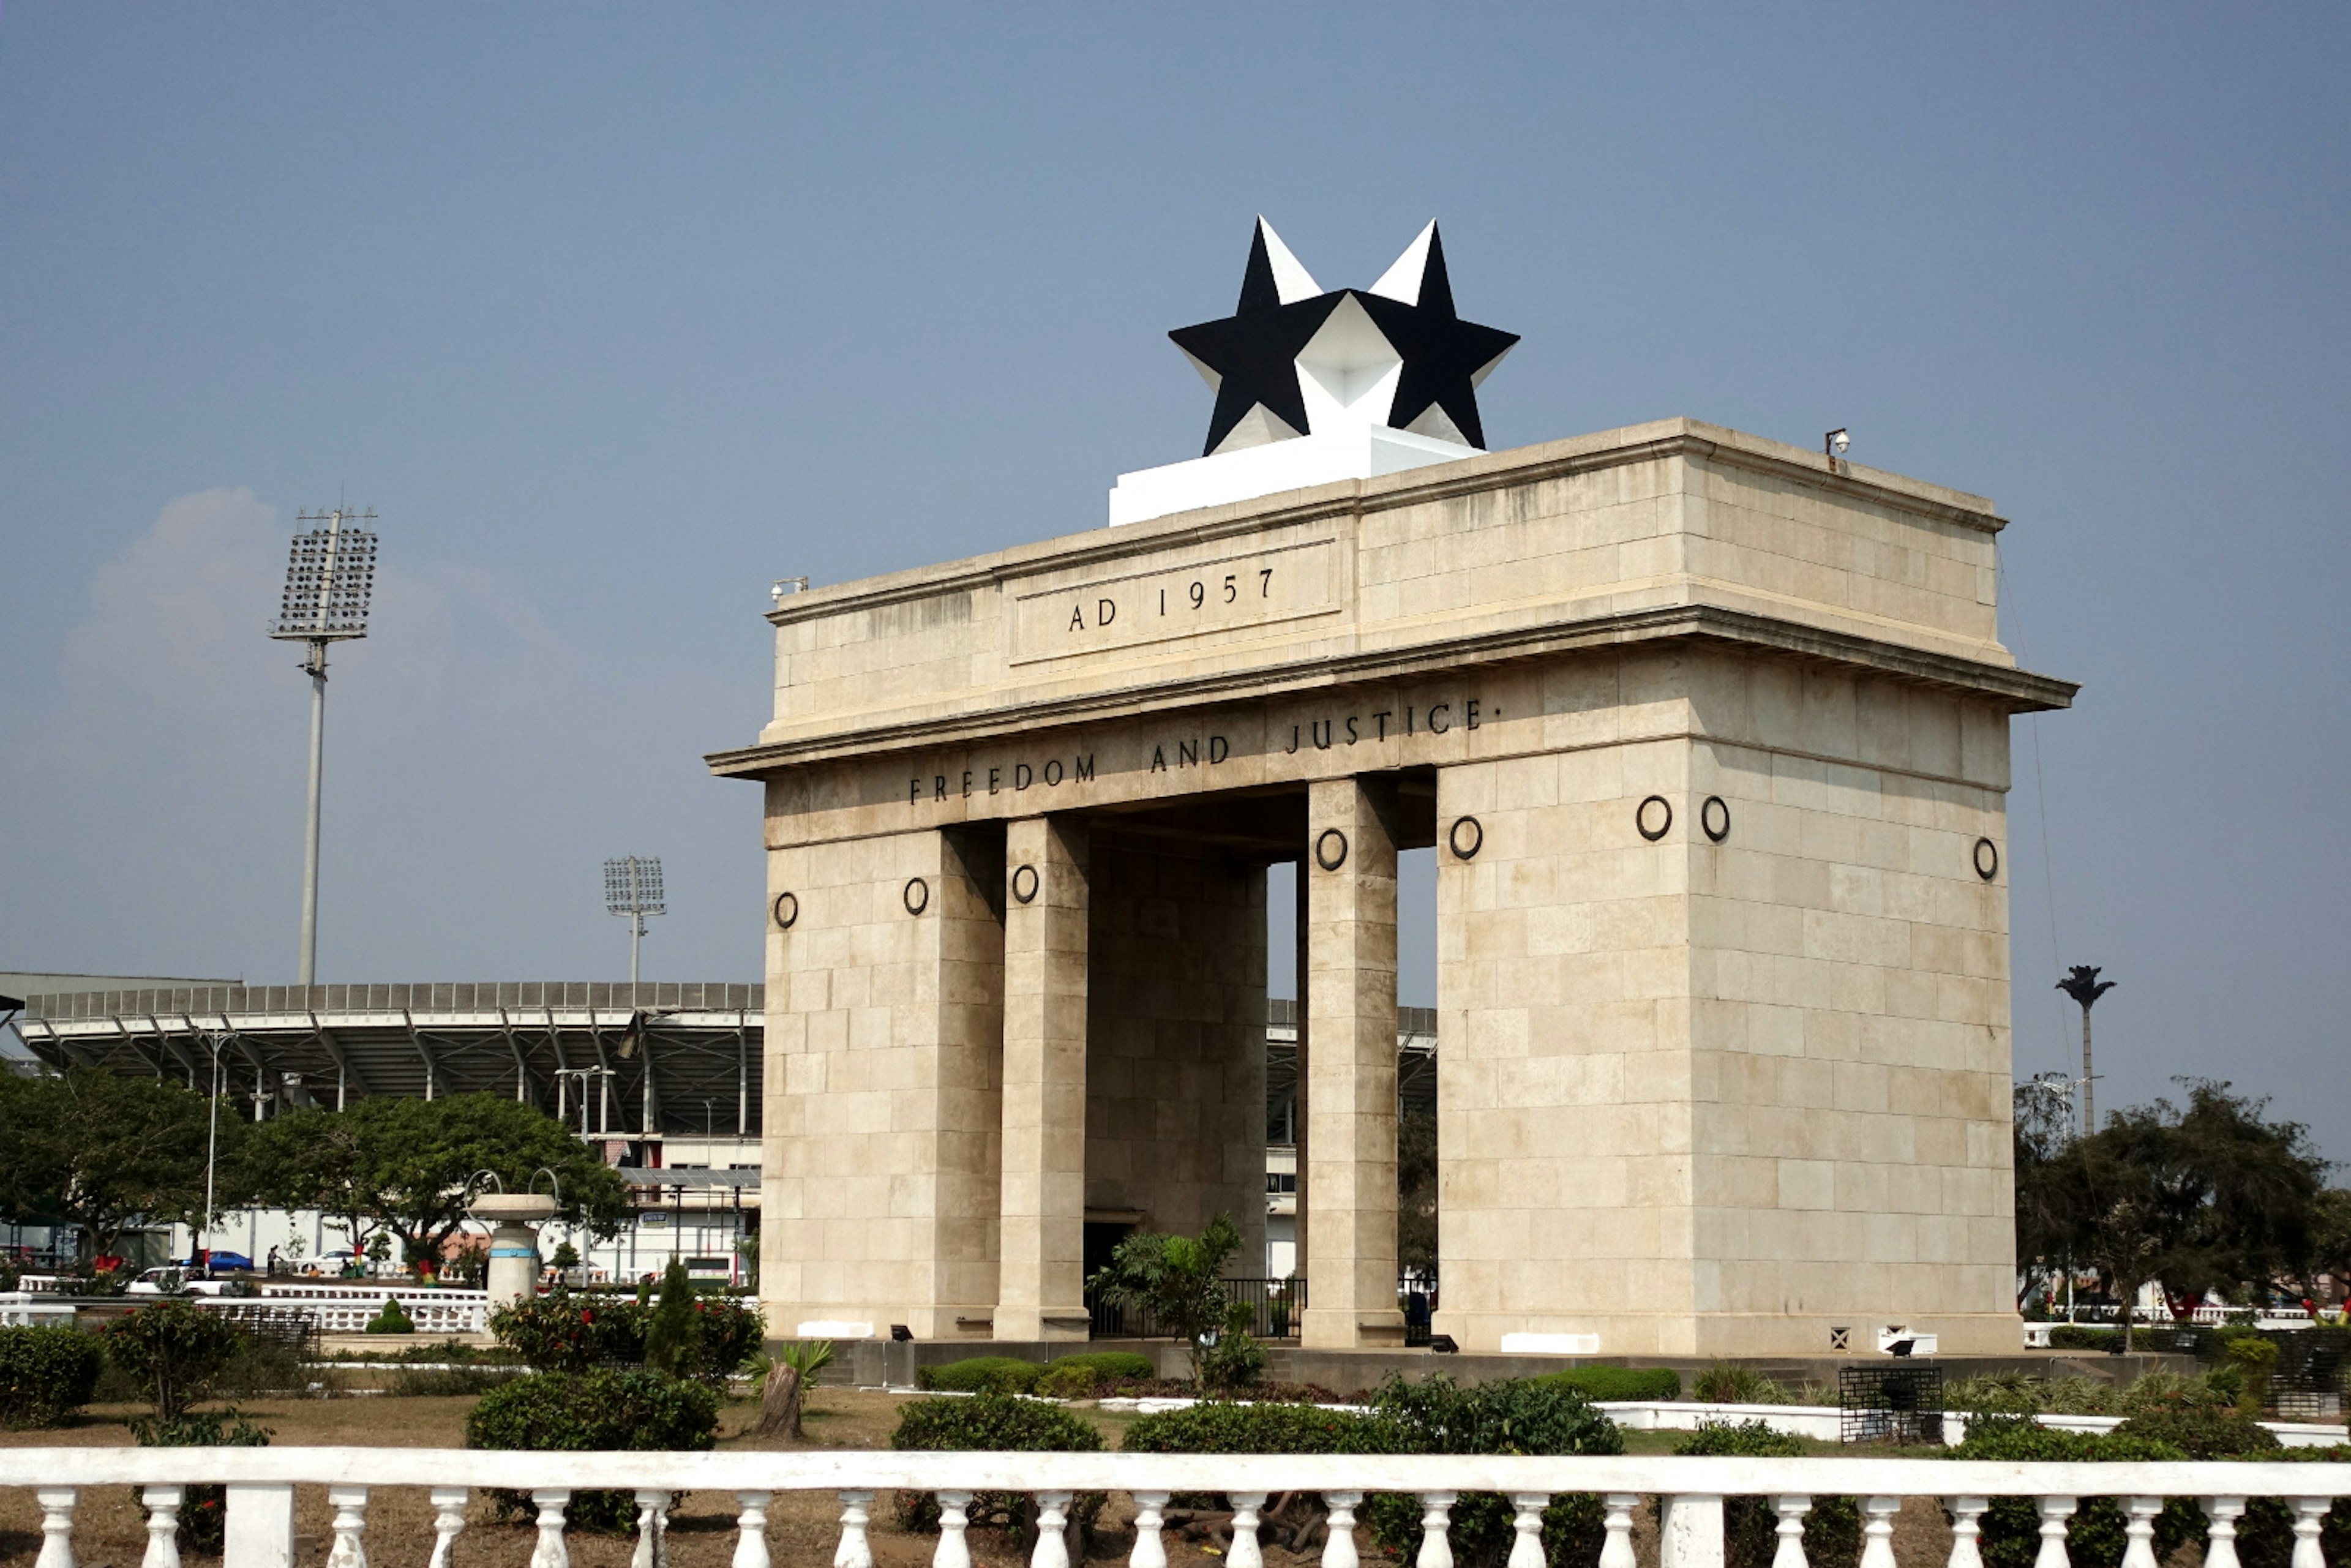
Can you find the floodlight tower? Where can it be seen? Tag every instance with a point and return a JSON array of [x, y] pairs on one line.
[[633, 886], [330, 577]]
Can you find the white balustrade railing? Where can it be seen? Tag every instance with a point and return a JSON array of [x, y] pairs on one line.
[[346, 1308], [261, 1481]]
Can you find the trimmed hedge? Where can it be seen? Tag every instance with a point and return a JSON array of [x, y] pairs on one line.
[[1220, 1426], [999, 1423], [391, 1319], [1515, 1417], [1750, 1525], [593, 1412], [45, 1374], [980, 1375], [2202, 1432], [2094, 1536], [1598, 1382]]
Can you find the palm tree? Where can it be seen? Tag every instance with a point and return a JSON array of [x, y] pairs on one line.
[[2085, 987]]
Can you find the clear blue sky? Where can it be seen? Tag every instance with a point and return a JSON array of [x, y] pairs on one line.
[[616, 314]]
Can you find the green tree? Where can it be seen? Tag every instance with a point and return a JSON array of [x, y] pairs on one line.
[[670, 1337], [2042, 1130], [2330, 1242], [2209, 1195], [1178, 1280], [107, 1152], [406, 1166]]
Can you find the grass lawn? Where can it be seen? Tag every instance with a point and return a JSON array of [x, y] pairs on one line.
[[109, 1530]]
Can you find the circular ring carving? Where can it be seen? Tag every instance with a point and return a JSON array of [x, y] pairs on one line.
[[1467, 837], [1714, 818], [917, 896], [1331, 849], [1664, 818], [1987, 859], [1024, 883], [787, 909]]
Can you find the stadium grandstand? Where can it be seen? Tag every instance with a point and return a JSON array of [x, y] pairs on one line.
[[664, 1076]]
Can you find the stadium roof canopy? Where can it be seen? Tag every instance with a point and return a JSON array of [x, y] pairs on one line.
[[671, 1059], [667, 1059]]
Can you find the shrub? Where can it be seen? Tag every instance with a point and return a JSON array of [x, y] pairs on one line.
[[2254, 1358], [980, 1375], [2266, 1535], [673, 1335], [1516, 1417], [1218, 1427], [1079, 1376], [593, 1412], [563, 1333], [727, 1335], [391, 1320], [2202, 1432], [2075, 1336], [45, 1374], [2093, 1537], [172, 1352], [1597, 1383], [204, 1507], [1001, 1422], [1728, 1382], [1750, 1525], [1236, 1360]]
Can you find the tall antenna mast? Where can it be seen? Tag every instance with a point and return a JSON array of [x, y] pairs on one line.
[[329, 580], [632, 887]]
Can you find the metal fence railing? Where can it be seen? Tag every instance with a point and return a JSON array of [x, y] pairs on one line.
[[1274, 1306]]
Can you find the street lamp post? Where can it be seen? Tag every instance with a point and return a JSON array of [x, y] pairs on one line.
[[2085, 987]]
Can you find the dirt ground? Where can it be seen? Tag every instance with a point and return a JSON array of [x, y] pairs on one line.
[[802, 1527]]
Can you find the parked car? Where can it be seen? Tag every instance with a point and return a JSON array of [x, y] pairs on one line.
[[216, 1259], [171, 1280]]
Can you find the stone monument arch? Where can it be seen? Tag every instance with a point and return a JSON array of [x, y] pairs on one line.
[[1710, 734]]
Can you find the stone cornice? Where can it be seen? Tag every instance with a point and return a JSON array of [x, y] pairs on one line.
[[2017, 691], [1350, 497]]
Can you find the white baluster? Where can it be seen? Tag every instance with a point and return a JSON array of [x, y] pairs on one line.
[[1790, 1553], [1691, 1535], [954, 1551], [2309, 1518], [1616, 1551], [2054, 1512], [1526, 1547], [162, 1527], [1967, 1529], [350, 1504], [653, 1529], [751, 1528], [2220, 1535], [1436, 1530], [1246, 1552], [1052, 1525], [449, 1520], [1878, 1530], [2139, 1529], [1339, 1545], [1150, 1552], [57, 1525], [548, 1551], [854, 1550]]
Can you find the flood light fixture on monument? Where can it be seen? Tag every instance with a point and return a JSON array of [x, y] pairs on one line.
[[1708, 733], [329, 580]]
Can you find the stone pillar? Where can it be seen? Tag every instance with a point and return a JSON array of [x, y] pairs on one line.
[[1041, 1293], [515, 1219], [1350, 881]]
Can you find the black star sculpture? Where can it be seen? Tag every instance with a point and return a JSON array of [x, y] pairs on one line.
[[1410, 360]]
